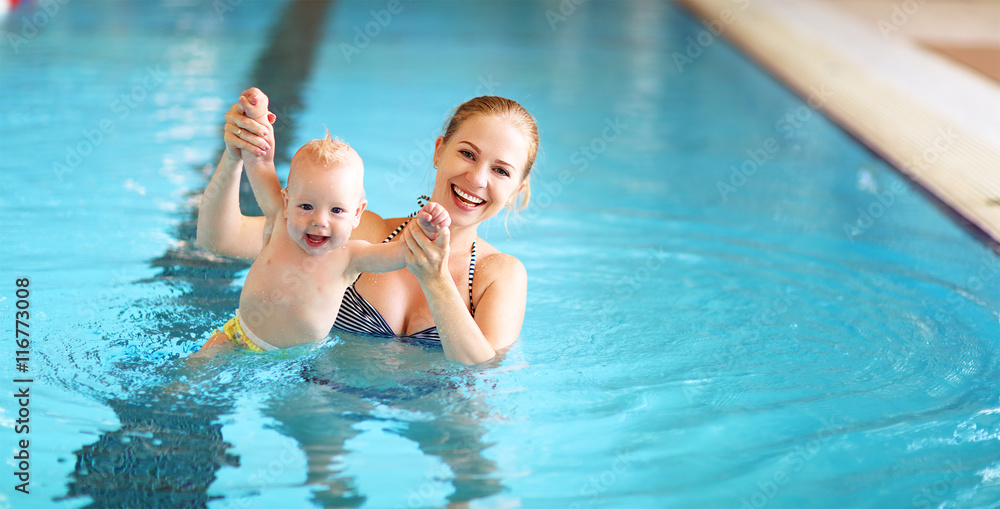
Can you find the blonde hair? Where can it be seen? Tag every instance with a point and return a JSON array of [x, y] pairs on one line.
[[507, 109], [327, 152]]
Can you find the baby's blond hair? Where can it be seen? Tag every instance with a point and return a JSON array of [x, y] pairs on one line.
[[327, 152]]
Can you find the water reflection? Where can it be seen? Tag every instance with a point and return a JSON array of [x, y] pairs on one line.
[[165, 454], [433, 405]]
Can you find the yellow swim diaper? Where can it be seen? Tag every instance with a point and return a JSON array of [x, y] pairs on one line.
[[235, 332]]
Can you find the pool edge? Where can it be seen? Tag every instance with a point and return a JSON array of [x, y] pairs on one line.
[[944, 148]]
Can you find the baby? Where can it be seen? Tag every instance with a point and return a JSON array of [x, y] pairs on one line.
[[293, 291]]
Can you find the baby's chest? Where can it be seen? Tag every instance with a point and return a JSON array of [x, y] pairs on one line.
[[297, 276]]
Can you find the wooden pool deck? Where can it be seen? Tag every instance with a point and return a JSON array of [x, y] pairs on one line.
[[921, 92]]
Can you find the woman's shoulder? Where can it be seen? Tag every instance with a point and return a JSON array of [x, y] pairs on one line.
[[495, 264], [373, 228]]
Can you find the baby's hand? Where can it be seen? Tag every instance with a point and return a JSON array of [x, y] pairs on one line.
[[248, 135], [432, 219], [255, 105]]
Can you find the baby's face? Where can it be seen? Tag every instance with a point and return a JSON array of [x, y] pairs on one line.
[[323, 206]]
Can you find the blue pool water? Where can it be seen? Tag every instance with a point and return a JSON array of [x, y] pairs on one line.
[[809, 331]]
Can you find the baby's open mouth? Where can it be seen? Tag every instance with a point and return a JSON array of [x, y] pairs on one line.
[[315, 240]]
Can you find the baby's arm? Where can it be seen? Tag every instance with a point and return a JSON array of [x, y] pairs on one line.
[[260, 169], [390, 256]]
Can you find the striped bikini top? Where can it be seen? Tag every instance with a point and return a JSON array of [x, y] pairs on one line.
[[357, 316]]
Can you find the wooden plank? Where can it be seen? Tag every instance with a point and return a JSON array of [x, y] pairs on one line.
[[954, 163]]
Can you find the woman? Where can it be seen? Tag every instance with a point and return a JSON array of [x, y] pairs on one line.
[[456, 289]]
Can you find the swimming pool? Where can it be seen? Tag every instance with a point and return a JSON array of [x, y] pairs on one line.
[[731, 302]]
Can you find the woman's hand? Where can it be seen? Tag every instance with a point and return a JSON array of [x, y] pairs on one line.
[[244, 133], [463, 339], [427, 258]]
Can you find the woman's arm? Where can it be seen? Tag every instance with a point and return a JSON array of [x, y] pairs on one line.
[[500, 311], [222, 228]]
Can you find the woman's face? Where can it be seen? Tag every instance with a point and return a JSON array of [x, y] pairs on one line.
[[479, 169]]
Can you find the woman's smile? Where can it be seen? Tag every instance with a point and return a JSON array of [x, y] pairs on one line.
[[465, 199]]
